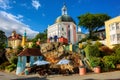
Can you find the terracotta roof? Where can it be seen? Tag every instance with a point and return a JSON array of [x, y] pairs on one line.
[[30, 52], [15, 37]]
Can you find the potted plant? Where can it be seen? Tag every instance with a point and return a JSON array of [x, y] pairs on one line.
[[95, 62], [82, 70]]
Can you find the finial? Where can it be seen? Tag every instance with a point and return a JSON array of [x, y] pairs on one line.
[[25, 33], [64, 9]]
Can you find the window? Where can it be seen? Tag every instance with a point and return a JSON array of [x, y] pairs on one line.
[[112, 37], [112, 27], [68, 26], [117, 25], [118, 36], [62, 29]]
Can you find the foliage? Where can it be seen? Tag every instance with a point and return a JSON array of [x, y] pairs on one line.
[[3, 39], [92, 50], [20, 48], [116, 47], [97, 43], [105, 50], [35, 46], [92, 22], [11, 67], [117, 54], [89, 42], [11, 53], [84, 44], [2, 56], [83, 40], [14, 60], [95, 61], [29, 40], [42, 36], [3, 65], [109, 62]]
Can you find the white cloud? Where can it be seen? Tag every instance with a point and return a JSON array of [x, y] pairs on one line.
[[4, 4], [36, 4], [9, 22], [20, 17]]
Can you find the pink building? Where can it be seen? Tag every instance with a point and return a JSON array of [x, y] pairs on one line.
[[64, 27]]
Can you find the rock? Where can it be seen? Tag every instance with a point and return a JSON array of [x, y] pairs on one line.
[[61, 49], [11, 52]]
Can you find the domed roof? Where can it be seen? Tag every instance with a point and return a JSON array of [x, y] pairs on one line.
[[64, 18]]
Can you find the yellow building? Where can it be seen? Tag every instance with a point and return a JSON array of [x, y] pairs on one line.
[[14, 40], [112, 27]]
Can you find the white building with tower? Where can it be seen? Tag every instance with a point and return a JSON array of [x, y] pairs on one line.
[[80, 35], [64, 27]]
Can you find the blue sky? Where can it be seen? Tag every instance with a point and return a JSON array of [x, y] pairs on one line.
[[36, 15]]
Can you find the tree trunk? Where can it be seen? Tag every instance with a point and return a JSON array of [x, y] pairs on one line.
[[90, 33]]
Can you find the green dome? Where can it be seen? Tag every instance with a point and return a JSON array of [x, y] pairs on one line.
[[64, 18]]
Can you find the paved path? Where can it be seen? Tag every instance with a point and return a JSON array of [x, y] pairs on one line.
[[89, 76]]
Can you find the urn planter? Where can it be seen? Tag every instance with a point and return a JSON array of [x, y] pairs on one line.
[[82, 70], [97, 69]]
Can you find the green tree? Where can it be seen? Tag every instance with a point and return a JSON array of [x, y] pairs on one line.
[[42, 36], [92, 22], [3, 39]]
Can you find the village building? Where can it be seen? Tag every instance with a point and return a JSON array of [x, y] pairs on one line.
[[63, 30], [80, 35], [112, 27], [14, 40], [26, 58]]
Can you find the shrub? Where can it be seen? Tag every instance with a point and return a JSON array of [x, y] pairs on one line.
[[3, 65], [117, 46], [83, 40], [20, 48], [109, 62], [89, 42], [95, 61], [92, 50], [117, 54], [97, 43], [11, 67], [84, 45], [14, 60]]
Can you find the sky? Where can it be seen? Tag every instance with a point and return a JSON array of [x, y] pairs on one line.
[[34, 16]]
